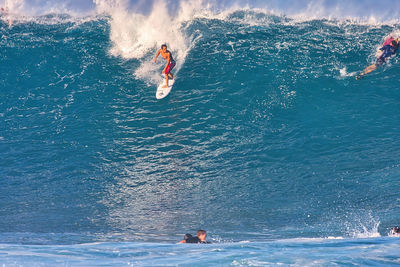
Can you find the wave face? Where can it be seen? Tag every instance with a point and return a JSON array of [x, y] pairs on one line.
[[266, 134]]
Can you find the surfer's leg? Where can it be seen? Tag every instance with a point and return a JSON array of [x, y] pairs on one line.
[[367, 70], [170, 67], [166, 81]]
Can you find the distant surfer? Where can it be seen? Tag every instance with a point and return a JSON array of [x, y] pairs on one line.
[[170, 63], [389, 48], [395, 231], [200, 238]]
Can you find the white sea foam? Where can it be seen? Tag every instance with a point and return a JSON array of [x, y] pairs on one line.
[[369, 11], [343, 72]]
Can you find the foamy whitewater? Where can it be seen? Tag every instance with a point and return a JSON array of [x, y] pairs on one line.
[[266, 140]]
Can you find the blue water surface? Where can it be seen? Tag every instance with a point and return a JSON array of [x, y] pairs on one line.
[[266, 141]]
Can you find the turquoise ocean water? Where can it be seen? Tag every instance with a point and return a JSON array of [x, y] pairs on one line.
[[266, 140]]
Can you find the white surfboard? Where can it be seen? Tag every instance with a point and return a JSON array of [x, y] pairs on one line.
[[163, 92]]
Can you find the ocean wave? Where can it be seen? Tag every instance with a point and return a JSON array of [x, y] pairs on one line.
[[266, 126]]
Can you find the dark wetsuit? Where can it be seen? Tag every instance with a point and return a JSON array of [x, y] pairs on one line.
[[196, 240], [388, 51], [171, 64]]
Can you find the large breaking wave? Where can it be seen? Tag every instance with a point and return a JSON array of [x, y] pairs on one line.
[[265, 118]]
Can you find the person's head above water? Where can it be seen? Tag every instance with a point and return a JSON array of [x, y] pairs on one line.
[[201, 234], [395, 231], [164, 47], [187, 236], [199, 239]]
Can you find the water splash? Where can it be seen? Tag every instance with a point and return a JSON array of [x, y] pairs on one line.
[[363, 226]]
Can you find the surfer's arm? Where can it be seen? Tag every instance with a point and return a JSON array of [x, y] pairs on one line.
[[155, 58]]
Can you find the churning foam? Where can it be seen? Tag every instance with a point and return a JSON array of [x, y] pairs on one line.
[[369, 11]]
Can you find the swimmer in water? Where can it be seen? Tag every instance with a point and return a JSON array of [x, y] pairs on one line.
[[395, 231], [200, 238], [388, 50], [170, 63], [186, 237]]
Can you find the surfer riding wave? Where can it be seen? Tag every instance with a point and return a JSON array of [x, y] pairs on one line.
[[389, 48], [170, 63]]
